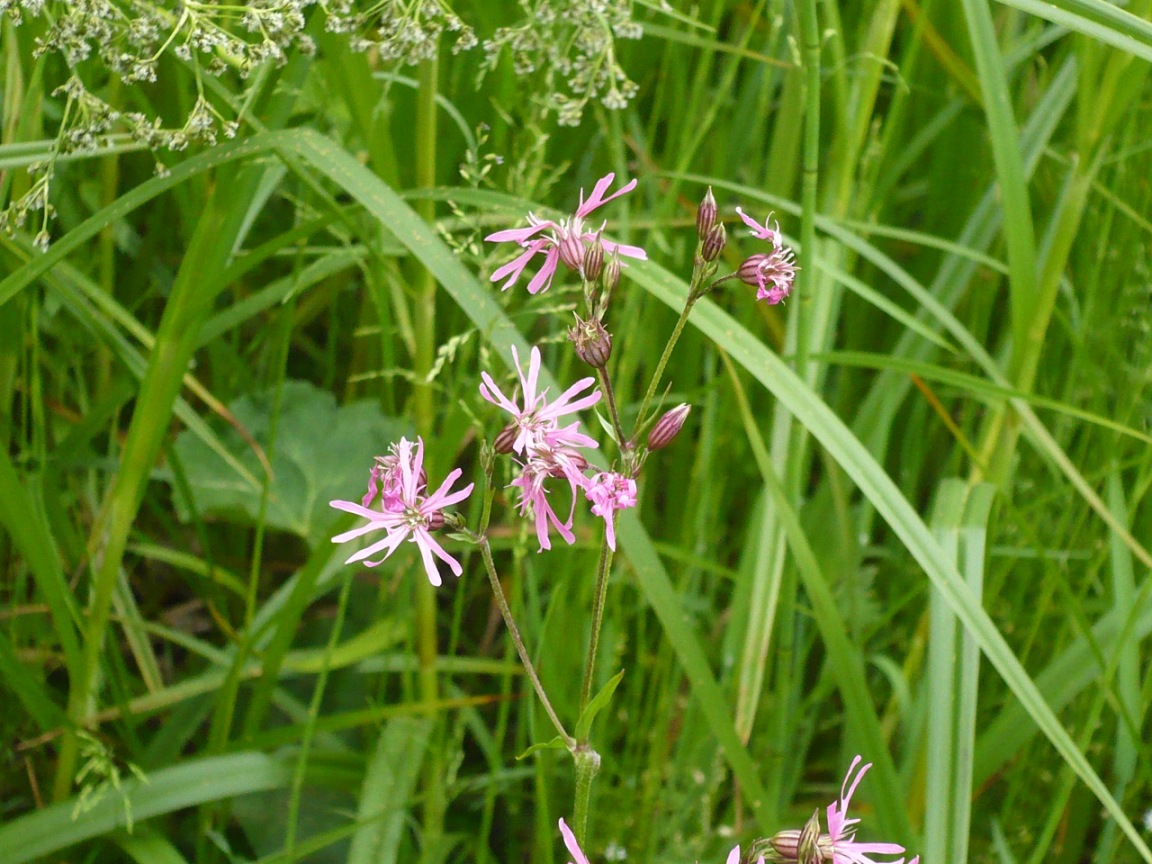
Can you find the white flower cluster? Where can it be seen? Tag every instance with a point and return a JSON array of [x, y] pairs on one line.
[[129, 38], [572, 44]]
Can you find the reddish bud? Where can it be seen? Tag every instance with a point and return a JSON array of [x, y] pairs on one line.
[[706, 215], [593, 260], [506, 439], [571, 249], [435, 521], [668, 427], [712, 245]]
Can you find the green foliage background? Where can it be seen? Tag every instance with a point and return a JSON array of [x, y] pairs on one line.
[[908, 517]]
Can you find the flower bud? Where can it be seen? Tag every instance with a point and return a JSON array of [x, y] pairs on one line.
[[571, 248], [712, 245], [808, 845], [435, 521], [706, 215], [668, 427], [593, 343], [610, 275], [506, 440], [593, 260]]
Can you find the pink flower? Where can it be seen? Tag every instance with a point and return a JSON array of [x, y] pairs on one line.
[[772, 273], [545, 463], [839, 844], [406, 513], [537, 418], [609, 492], [562, 241], [386, 471]]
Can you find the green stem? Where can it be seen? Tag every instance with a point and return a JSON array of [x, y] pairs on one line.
[[424, 327], [613, 412], [313, 718], [513, 630], [587, 766], [602, 571], [672, 340]]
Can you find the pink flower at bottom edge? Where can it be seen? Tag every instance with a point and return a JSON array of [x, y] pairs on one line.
[[839, 845], [573, 847]]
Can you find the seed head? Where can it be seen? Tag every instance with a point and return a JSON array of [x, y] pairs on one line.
[[593, 343]]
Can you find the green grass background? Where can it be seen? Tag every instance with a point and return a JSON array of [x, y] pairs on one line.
[[908, 517]]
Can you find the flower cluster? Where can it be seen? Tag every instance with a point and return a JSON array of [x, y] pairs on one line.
[[565, 242], [573, 41], [129, 38], [406, 512], [547, 450]]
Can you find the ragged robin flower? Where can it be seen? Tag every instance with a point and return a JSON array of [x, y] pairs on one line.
[[535, 417], [771, 273], [839, 845], [560, 242], [405, 513]]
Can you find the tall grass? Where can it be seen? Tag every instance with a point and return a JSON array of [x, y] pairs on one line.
[[908, 517]]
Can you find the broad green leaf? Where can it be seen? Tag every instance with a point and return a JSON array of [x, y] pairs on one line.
[[319, 453]]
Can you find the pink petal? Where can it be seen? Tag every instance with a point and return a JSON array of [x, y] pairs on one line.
[[496, 396], [529, 383], [734, 856], [427, 542], [570, 841], [391, 542], [597, 199], [625, 250], [519, 235], [441, 498], [516, 266], [542, 281]]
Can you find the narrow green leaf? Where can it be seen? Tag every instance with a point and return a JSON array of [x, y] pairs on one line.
[[389, 782], [597, 704], [779, 380], [1108, 22], [53, 829], [556, 743]]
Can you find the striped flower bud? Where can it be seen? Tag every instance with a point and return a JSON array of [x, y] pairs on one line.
[[713, 244], [506, 440], [706, 215], [668, 427], [593, 260]]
